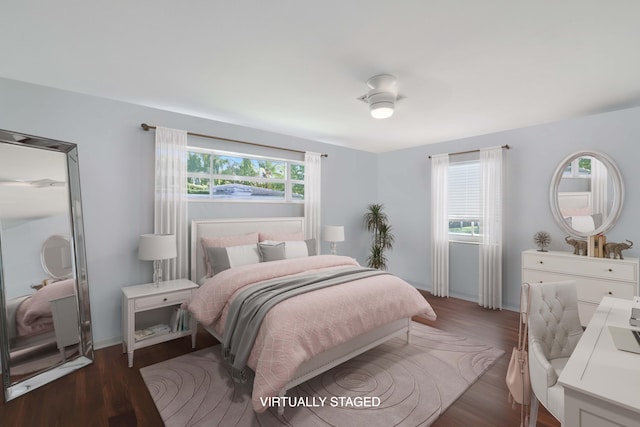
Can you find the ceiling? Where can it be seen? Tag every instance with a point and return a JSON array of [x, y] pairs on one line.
[[466, 67]]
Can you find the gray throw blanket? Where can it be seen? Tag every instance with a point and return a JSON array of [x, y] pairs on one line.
[[251, 305]]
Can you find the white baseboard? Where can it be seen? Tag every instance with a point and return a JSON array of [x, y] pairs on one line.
[[466, 297], [97, 345]]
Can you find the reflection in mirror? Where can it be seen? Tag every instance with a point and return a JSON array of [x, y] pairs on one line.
[[45, 329], [586, 194], [56, 257]]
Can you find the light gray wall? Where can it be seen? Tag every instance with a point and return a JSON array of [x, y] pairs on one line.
[[116, 160], [22, 242], [403, 185], [116, 168]]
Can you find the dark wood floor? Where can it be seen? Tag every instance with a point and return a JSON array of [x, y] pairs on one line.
[[108, 393], [485, 403]]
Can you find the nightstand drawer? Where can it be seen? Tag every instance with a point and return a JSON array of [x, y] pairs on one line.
[[161, 300]]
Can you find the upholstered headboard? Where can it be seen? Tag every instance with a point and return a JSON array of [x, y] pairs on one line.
[[576, 203], [576, 210], [232, 227]]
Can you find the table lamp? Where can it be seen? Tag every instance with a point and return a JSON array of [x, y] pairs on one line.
[[333, 234], [157, 247]]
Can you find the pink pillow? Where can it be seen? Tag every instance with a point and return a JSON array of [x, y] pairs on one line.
[[225, 242], [281, 237]]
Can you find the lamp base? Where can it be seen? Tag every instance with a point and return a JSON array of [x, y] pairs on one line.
[[334, 248], [157, 272]]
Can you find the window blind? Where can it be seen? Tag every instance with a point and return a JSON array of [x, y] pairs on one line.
[[464, 190]]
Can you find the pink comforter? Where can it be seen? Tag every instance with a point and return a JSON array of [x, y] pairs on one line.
[[304, 326], [34, 314]]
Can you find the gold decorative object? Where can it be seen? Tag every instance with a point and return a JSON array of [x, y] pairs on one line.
[[616, 249], [579, 246], [542, 239]]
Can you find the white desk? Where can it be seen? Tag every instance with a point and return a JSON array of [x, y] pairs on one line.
[[601, 383]]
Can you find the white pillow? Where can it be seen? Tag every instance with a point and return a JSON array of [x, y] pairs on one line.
[[232, 256], [295, 249]]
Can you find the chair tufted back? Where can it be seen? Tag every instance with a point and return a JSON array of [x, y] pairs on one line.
[[553, 318]]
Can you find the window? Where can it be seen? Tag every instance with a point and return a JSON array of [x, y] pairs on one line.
[[223, 176], [578, 168], [464, 200]]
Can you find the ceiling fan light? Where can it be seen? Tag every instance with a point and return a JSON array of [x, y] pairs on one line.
[[382, 96], [382, 110], [381, 104]]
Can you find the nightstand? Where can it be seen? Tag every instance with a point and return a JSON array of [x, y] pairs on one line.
[[151, 315]]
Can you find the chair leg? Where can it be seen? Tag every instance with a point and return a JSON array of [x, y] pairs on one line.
[[533, 413]]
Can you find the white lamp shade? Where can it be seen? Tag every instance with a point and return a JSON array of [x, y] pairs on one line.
[[152, 247], [333, 233]]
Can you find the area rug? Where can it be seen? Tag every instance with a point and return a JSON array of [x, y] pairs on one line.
[[394, 384]]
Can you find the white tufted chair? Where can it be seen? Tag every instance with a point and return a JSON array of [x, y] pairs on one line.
[[554, 332]]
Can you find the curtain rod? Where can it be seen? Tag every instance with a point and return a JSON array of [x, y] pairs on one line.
[[146, 127], [506, 147]]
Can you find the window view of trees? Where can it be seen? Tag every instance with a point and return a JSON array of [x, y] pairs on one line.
[[225, 176], [465, 227], [579, 168]]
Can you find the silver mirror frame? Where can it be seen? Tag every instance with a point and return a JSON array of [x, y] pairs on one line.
[[618, 188], [85, 356]]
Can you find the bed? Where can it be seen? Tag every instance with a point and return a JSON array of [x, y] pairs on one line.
[[576, 210], [306, 334], [32, 325]]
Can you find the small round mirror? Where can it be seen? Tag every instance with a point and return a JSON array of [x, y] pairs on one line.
[[56, 257], [586, 194]]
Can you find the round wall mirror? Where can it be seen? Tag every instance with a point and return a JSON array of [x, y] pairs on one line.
[[586, 194], [56, 257]]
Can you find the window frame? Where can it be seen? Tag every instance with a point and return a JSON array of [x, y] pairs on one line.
[[287, 180]]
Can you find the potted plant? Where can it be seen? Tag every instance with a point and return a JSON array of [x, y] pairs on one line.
[[376, 221]]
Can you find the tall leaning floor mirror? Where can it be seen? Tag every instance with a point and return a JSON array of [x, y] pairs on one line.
[[45, 321]]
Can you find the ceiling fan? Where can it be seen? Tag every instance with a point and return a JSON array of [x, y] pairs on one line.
[[382, 95]]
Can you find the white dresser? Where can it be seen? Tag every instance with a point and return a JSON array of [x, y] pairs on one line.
[[594, 277]]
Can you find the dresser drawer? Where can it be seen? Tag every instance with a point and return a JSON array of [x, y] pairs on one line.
[[161, 300], [589, 290], [594, 290], [583, 266]]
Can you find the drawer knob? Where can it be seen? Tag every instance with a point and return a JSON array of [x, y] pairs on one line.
[[164, 300], [541, 262], [611, 269], [610, 293]]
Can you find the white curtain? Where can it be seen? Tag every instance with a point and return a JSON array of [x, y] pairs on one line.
[[170, 213], [599, 188], [440, 224], [491, 213], [312, 188]]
